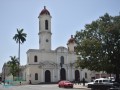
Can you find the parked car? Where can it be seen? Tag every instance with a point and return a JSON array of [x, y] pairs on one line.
[[112, 79], [99, 81], [65, 84]]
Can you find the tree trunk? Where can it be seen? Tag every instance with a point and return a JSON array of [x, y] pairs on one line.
[[19, 53], [117, 77], [19, 60], [13, 78]]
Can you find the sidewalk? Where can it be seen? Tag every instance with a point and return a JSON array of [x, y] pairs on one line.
[[80, 86]]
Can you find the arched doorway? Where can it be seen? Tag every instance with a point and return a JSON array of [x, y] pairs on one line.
[[62, 74], [47, 76], [77, 75]]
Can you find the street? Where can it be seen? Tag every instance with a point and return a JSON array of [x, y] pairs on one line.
[[40, 87]]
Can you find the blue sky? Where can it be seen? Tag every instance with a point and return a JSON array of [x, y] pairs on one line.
[[68, 16]]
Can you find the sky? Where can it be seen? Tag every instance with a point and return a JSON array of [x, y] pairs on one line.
[[68, 16]]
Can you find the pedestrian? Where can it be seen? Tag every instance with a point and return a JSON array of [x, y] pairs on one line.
[[8, 82], [30, 82], [83, 81], [20, 82], [78, 81]]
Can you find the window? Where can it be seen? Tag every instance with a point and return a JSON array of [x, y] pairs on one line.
[[62, 60], [36, 76], [46, 24], [35, 58], [85, 75], [47, 40], [96, 81], [100, 81]]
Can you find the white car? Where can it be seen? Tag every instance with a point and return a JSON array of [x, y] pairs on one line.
[[99, 80]]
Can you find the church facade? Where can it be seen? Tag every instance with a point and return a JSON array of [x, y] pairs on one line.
[[45, 65]]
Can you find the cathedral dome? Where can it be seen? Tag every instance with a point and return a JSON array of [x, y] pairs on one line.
[[44, 11], [71, 40]]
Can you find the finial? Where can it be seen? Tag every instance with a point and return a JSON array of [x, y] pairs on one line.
[[44, 7], [71, 36]]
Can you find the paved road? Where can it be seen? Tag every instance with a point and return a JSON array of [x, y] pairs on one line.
[[40, 87]]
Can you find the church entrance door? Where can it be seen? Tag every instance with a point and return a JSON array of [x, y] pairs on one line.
[[62, 74], [77, 75], [47, 76]]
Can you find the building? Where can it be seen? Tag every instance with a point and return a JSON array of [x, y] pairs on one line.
[[6, 74], [45, 65], [5, 71]]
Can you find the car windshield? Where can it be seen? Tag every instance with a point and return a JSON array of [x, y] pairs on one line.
[[67, 82]]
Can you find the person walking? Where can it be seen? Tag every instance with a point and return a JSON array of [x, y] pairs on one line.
[[83, 81]]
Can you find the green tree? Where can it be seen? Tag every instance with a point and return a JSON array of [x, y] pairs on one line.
[[14, 66], [20, 38], [98, 45]]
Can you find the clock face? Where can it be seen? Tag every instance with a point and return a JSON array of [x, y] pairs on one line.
[[47, 40]]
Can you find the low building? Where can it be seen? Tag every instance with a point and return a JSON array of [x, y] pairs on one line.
[[5, 71]]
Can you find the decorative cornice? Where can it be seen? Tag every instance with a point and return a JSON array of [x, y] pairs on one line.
[[48, 63]]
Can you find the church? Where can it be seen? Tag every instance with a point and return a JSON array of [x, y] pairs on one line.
[[45, 65]]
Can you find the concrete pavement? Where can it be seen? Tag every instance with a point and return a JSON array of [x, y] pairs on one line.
[[41, 86]]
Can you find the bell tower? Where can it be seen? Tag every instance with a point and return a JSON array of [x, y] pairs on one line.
[[71, 44], [44, 30]]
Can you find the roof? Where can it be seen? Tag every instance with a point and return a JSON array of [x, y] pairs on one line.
[[71, 40], [44, 11]]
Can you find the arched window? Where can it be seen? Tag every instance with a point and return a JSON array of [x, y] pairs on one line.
[[36, 76], [85, 75], [46, 24], [62, 60], [35, 58]]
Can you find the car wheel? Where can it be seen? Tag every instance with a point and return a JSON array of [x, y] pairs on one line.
[[59, 86], [89, 86]]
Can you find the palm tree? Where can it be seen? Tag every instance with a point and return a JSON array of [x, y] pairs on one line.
[[14, 66], [20, 38]]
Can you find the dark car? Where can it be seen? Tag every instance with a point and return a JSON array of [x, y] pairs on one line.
[[65, 84]]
